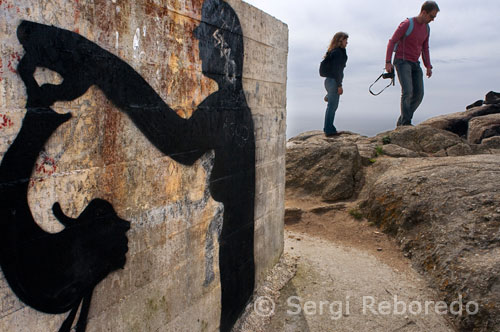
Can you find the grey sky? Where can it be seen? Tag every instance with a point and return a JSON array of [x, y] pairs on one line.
[[464, 47]]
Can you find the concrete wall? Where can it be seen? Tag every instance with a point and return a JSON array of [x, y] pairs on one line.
[[188, 195]]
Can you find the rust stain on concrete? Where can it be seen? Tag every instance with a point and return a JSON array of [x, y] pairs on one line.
[[112, 179]]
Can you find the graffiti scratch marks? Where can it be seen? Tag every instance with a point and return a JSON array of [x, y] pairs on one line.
[[77, 15], [5, 121], [13, 60], [136, 39], [44, 168], [9, 6], [47, 166]]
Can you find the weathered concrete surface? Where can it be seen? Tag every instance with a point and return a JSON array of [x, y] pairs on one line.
[[170, 281]]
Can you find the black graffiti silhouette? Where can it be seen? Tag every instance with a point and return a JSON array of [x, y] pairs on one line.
[[222, 122]]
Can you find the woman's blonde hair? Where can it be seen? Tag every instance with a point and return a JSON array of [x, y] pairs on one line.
[[337, 39]]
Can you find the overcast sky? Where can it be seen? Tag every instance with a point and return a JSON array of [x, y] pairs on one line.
[[464, 48]]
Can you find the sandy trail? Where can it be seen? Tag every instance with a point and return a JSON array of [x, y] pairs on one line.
[[337, 288], [348, 277]]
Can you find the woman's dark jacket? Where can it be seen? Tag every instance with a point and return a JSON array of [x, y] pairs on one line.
[[337, 60]]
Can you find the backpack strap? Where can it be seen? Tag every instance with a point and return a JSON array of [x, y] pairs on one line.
[[410, 28], [408, 32]]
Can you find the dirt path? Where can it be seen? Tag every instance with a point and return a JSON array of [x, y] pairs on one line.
[[348, 277]]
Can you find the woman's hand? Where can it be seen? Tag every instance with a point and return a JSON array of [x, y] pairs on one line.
[[340, 90]]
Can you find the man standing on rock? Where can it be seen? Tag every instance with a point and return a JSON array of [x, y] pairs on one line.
[[410, 40]]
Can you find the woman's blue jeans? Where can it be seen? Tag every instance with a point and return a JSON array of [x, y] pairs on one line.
[[411, 78], [331, 108]]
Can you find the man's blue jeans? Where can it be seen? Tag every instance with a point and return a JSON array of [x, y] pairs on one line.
[[331, 108], [411, 78]]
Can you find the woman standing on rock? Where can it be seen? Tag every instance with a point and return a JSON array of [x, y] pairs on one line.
[[332, 67]]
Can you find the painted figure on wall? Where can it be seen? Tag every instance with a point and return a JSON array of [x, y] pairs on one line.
[[54, 273]]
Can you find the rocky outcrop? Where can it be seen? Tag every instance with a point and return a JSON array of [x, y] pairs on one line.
[[320, 166], [427, 141], [459, 123], [445, 213], [332, 167], [433, 186], [483, 127], [492, 98]]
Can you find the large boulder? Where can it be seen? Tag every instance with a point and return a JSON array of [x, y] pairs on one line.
[[320, 166], [483, 127], [445, 212], [459, 123], [492, 97], [427, 141], [475, 104]]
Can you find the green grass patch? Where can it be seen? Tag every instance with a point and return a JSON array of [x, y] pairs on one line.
[[356, 214]]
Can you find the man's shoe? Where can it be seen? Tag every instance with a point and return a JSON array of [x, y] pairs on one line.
[[326, 98]]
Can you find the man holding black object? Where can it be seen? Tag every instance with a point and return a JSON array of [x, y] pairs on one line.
[[409, 41]]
